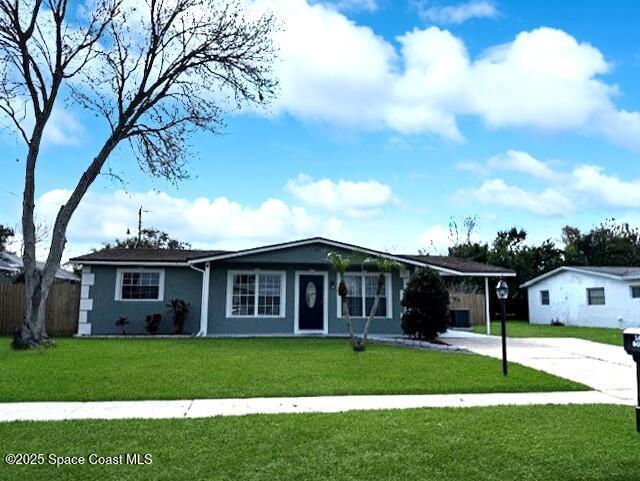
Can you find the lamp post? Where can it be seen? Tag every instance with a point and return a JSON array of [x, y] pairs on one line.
[[502, 291]]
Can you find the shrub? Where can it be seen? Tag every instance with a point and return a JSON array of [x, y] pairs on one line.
[[121, 323], [180, 311], [152, 322], [426, 304]]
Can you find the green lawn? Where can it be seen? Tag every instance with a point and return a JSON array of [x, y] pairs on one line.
[[99, 369], [579, 443], [524, 329]]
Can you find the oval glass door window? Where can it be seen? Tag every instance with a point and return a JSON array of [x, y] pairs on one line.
[[310, 295]]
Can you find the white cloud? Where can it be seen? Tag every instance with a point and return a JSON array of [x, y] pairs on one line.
[[583, 187], [605, 190], [497, 192], [217, 222], [457, 13], [518, 161], [435, 240], [337, 72], [353, 199], [63, 128], [352, 5]]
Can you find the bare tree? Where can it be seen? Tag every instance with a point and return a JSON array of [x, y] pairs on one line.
[[154, 70]]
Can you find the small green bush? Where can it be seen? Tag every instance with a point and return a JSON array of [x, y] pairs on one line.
[[426, 304]]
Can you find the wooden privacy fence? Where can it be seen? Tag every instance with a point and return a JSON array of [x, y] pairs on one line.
[[62, 308], [473, 302]]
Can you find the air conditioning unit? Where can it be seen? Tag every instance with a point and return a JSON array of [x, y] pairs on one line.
[[460, 318]]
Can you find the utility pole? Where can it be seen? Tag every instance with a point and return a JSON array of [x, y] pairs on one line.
[[139, 241]]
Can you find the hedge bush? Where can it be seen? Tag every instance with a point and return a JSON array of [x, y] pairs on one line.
[[426, 304]]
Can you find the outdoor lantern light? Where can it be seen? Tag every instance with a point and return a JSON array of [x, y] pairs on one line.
[[502, 291]]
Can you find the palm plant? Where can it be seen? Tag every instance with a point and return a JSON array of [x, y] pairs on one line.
[[341, 264]]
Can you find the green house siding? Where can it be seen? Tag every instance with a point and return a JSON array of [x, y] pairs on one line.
[[186, 283], [220, 324], [181, 282]]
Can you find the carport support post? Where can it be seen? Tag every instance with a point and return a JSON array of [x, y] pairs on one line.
[[204, 306], [487, 316], [636, 358]]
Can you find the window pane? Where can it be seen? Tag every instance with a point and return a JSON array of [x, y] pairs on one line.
[[354, 295], [140, 285], [269, 294], [635, 291], [595, 296], [371, 285], [243, 295], [544, 298]]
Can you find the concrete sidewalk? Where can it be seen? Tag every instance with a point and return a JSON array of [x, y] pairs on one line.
[[200, 408], [603, 367]]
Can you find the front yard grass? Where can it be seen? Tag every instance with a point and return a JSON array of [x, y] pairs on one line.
[[127, 369], [524, 329], [586, 443]]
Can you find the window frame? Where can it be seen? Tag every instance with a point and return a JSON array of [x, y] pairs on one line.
[[257, 273], [365, 314], [542, 292], [604, 297], [631, 287], [120, 278]]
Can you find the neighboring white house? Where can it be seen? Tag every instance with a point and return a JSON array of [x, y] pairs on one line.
[[11, 264], [586, 296]]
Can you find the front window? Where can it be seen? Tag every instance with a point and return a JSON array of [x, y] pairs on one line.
[[140, 286], [256, 295], [360, 300], [371, 283], [635, 292], [595, 296], [544, 298]]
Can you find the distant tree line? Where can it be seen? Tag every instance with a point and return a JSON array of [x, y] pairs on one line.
[[607, 244]]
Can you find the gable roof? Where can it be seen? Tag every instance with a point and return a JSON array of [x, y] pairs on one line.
[[445, 265], [461, 265], [143, 256], [612, 272], [13, 263], [303, 242]]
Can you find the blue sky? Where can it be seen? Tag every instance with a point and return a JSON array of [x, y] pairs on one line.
[[393, 118]]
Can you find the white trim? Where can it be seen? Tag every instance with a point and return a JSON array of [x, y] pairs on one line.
[[579, 270], [388, 285], [88, 277], [256, 272], [487, 310], [484, 274], [315, 240], [604, 295], [86, 304], [325, 303], [204, 303], [118, 290]]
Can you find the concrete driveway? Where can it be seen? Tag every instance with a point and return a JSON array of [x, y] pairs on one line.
[[603, 367]]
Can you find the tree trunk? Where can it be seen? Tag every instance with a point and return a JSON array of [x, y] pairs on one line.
[[374, 308], [355, 342], [32, 332]]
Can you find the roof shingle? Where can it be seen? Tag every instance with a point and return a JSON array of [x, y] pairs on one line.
[[145, 255]]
